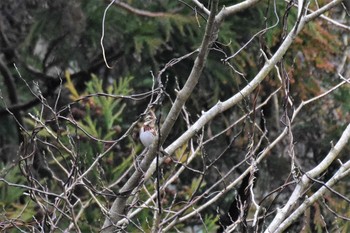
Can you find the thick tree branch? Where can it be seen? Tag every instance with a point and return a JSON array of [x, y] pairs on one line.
[[343, 171], [283, 216], [201, 6], [330, 20], [117, 210], [188, 161], [322, 10], [223, 106], [261, 157], [231, 10]]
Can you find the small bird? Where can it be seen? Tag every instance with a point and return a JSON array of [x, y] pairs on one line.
[[148, 131]]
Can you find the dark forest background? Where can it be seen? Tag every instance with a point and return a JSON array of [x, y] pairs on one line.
[[61, 107]]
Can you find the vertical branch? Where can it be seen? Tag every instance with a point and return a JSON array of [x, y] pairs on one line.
[[182, 96], [118, 208], [103, 34]]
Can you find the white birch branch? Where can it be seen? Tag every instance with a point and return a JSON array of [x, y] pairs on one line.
[[283, 214], [340, 174]]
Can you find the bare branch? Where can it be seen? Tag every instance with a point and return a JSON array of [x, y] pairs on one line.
[[231, 10], [341, 173], [140, 12], [118, 208], [201, 6], [283, 214], [103, 34]]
